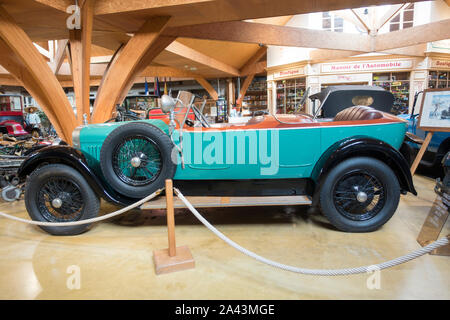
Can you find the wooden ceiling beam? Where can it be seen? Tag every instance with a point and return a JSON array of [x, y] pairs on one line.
[[248, 32], [160, 44], [34, 72], [429, 32], [124, 68], [256, 68], [59, 56], [196, 56], [250, 63], [349, 16], [116, 6], [60, 5], [361, 20], [208, 87], [229, 10], [388, 15]]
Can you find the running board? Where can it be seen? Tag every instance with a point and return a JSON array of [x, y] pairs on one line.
[[221, 202]]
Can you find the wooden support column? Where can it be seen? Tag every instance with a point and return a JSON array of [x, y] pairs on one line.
[[248, 80], [87, 22], [21, 58], [208, 87], [231, 97], [76, 66], [126, 66], [80, 58]]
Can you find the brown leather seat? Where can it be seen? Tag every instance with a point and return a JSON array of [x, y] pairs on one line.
[[358, 113]]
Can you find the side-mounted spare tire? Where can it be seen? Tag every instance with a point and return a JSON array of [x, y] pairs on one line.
[[135, 159]]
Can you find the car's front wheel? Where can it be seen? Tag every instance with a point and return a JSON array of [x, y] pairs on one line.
[[59, 193], [359, 194]]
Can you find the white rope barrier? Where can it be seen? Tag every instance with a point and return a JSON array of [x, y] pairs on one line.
[[318, 272], [86, 221]]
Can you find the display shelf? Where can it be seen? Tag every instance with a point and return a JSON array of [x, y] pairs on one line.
[[256, 95], [398, 83], [289, 94]]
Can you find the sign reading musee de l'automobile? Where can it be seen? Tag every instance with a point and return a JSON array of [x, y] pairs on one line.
[[367, 66]]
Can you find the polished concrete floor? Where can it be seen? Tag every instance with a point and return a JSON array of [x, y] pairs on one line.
[[114, 259]]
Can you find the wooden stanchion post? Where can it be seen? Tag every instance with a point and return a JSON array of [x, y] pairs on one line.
[[170, 219], [174, 258]]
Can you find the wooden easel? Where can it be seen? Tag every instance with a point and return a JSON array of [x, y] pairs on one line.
[[421, 152], [174, 258]]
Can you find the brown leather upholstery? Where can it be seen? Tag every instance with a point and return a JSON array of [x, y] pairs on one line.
[[358, 113]]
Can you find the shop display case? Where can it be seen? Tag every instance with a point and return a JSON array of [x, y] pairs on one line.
[[289, 94], [398, 83], [438, 79], [256, 96]]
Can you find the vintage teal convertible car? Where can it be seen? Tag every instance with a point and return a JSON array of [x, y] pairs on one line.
[[348, 165]]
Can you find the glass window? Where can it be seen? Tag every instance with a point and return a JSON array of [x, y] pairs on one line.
[[404, 19], [331, 22]]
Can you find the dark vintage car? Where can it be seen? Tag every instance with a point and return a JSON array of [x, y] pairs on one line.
[[349, 165]]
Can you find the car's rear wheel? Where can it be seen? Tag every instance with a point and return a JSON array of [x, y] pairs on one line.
[[136, 159], [359, 194], [59, 193]]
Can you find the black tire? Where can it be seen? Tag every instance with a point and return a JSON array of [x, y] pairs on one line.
[[58, 180], [374, 179], [149, 144]]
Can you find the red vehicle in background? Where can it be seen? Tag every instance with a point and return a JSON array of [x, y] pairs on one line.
[[12, 120]]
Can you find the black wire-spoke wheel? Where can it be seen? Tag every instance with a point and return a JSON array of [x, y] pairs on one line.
[[60, 200], [59, 193], [137, 160], [359, 194]]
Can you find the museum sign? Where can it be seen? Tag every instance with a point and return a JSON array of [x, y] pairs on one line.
[[366, 66]]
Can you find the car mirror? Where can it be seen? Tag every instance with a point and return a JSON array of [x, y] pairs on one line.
[[167, 103]]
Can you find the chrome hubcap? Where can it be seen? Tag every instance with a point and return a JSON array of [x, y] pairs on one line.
[[361, 196], [57, 203], [136, 162]]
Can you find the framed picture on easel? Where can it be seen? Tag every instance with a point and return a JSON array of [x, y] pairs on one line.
[[434, 116], [435, 110]]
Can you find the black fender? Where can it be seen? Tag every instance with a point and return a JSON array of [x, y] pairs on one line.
[[364, 147], [75, 159]]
